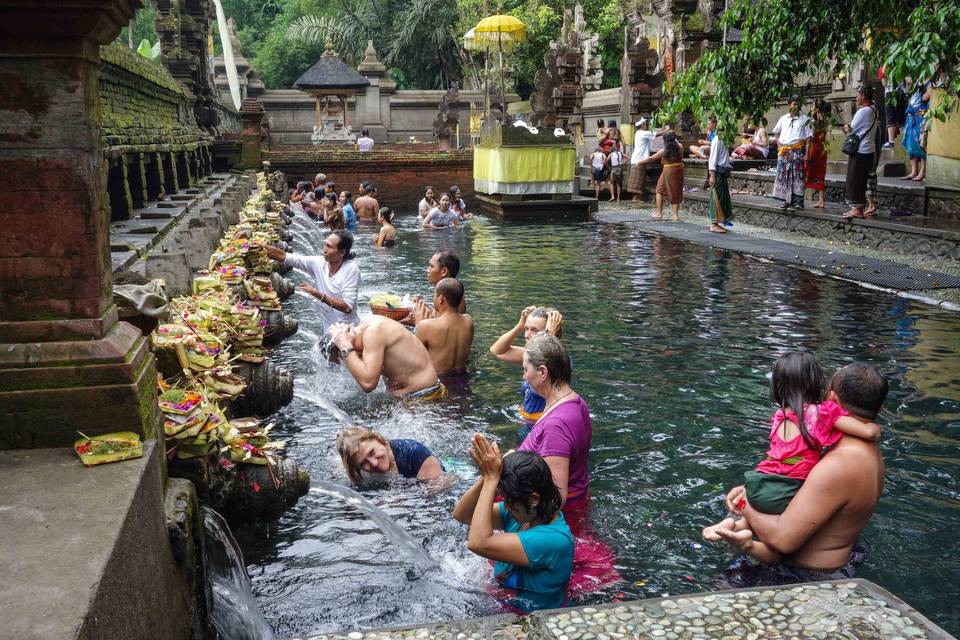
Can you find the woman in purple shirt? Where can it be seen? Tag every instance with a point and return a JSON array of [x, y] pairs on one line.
[[562, 434]]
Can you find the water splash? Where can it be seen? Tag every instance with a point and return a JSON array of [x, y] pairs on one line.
[[394, 532], [326, 404], [233, 608]]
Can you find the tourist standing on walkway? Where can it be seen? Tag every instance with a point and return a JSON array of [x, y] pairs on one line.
[[719, 168], [599, 170], [913, 132], [534, 554], [427, 203], [862, 165], [642, 140], [349, 213], [670, 184], [615, 164], [335, 274], [562, 434], [791, 133], [815, 165]]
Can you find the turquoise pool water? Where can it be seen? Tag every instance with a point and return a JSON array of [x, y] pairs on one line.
[[672, 344]]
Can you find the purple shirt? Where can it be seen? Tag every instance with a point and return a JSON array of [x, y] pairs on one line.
[[565, 432]]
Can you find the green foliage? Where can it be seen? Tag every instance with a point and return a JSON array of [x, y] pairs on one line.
[[784, 39], [142, 27], [419, 40]]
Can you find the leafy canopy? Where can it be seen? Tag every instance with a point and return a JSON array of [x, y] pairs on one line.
[[787, 39]]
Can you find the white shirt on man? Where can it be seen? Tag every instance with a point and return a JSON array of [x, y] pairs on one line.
[[642, 141], [344, 284], [790, 129], [863, 123], [365, 144], [719, 156]]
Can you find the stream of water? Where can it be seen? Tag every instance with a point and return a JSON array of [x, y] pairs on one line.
[[672, 346]]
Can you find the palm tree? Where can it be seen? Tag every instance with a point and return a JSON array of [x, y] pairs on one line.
[[418, 37]]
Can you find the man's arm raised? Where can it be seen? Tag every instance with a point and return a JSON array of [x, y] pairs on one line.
[[818, 500]]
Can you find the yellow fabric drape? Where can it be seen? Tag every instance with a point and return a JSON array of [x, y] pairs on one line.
[[523, 164]]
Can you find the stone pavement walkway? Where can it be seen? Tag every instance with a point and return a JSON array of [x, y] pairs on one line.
[[854, 609], [933, 282]]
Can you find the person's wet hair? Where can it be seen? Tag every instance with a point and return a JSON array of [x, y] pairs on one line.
[[305, 186], [347, 197], [449, 260], [318, 193], [386, 213], [797, 381], [611, 123], [671, 148], [543, 312], [345, 243], [332, 186], [348, 443], [525, 473], [452, 291], [371, 188], [860, 389], [547, 351], [428, 188], [331, 197], [453, 191]]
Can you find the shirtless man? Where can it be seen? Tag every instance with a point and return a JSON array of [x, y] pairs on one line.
[[383, 347], [366, 204], [448, 336]]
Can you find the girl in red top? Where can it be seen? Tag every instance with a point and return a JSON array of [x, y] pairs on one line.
[[804, 425]]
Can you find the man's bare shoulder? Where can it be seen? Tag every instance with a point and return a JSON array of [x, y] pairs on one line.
[[851, 457]]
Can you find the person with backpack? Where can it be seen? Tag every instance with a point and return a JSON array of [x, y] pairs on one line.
[[861, 149]]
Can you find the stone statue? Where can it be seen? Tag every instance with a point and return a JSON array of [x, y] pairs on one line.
[[448, 116]]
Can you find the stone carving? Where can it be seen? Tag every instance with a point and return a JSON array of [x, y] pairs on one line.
[[571, 67], [448, 114], [641, 74], [333, 130]]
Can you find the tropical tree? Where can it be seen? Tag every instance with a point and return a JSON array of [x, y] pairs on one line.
[[419, 37], [786, 39]]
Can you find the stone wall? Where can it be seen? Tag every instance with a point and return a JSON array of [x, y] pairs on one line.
[[399, 176], [149, 133]]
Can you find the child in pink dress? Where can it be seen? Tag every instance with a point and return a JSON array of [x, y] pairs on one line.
[[804, 425]]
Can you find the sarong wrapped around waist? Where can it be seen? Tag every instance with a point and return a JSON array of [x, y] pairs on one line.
[[670, 183]]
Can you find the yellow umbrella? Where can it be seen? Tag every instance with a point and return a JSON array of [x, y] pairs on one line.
[[500, 29]]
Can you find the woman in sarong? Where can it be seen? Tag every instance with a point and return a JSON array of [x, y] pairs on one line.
[[913, 133], [815, 167], [670, 183]]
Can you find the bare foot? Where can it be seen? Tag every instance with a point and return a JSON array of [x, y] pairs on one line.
[[853, 213], [716, 228], [870, 213], [676, 218], [659, 217], [710, 533], [819, 205], [919, 178], [736, 539], [909, 176]]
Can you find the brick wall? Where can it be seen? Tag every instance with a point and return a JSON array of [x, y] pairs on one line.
[[142, 104], [399, 176]]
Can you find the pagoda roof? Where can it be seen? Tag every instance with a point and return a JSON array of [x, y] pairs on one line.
[[330, 73]]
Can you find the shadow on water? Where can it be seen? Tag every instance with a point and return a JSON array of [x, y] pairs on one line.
[[672, 345]]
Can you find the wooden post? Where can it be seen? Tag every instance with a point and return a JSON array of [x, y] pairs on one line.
[[317, 98], [346, 118]]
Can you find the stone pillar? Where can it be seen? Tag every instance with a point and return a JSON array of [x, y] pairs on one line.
[[251, 114], [373, 105], [66, 363]]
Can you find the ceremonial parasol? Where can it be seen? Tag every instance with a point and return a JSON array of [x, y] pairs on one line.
[[500, 30]]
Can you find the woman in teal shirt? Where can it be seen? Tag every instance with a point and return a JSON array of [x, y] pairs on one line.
[[534, 554]]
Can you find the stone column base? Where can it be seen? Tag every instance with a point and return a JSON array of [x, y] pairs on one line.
[[50, 391]]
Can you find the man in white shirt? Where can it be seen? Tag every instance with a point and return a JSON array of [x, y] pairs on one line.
[[643, 141], [792, 132], [335, 274], [719, 167], [365, 142]]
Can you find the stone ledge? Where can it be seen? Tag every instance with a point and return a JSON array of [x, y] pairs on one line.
[[824, 610], [85, 552]]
